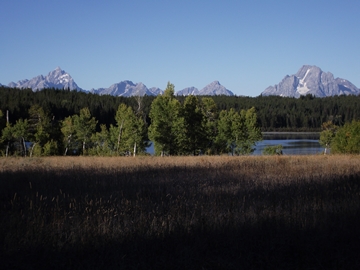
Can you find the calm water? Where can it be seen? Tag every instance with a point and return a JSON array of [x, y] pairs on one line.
[[294, 143]]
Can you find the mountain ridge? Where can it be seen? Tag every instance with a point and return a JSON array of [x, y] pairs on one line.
[[57, 78], [311, 80], [60, 79]]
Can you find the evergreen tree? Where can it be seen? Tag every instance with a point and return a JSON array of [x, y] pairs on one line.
[[211, 115], [194, 132], [39, 129], [2, 121], [166, 126]]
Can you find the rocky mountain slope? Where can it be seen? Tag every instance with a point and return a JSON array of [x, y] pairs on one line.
[[311, 80], [59, 79]]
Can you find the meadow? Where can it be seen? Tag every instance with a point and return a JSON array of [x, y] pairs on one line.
[[253, 212]]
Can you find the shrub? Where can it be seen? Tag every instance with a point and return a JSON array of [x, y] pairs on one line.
[[273, 150]]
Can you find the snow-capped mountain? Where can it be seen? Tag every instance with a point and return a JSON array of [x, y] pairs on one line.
[[128, 88], [57, 78], [311, 80]]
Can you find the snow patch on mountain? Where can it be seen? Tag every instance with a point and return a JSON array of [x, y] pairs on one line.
[[311, 80], [302, 89], [57, 78]]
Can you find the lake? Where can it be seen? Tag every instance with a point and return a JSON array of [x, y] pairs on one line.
[[294, 143]]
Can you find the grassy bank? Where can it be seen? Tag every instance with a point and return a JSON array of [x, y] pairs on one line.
[[293, 212]]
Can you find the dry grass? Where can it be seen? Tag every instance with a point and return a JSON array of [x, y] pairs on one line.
[[290, 212]]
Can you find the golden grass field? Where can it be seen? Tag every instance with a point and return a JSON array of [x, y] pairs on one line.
[[206, 212]]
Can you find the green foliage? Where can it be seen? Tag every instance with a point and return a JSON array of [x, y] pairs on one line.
[[178, 125], [274, 113], [101, 143], [68, 131], [166, 123], [194, 127], [210, 114], [347, 139], [238, 131], [225, 142], [2, 126], [250, 132], [84, 126], [50, 148], [6, 138], [327, 135], [39, 129], [136, 136], [2, 121], [20, 133], [130, 133], [273, 150], [117, 132]]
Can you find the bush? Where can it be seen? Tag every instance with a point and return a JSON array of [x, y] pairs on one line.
[[347, 139], [273, 150]]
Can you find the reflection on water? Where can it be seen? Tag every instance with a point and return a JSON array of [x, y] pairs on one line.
[[294, 143]]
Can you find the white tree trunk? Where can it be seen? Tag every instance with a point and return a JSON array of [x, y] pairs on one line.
[[7, 149], [68, 143], [32, 149], [24, 145], [84, 147], [119, 136]]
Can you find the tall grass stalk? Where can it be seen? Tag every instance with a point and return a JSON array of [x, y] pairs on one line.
[[282, 212]]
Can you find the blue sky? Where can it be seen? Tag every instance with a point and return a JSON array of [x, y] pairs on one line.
[[246, 45]]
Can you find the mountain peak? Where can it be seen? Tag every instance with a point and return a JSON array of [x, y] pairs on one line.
[[215, 88], [60, 79], [57, 78], [311, 80], [215, 83]]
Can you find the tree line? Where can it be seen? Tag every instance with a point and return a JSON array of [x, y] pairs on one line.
[[51, 121], [192, 127], [274, 113]]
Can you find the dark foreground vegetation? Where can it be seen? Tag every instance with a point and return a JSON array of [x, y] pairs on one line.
[[290, 212]]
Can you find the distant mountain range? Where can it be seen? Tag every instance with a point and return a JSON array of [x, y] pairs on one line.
[[311, 80], [308, 80], [59, 79]]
